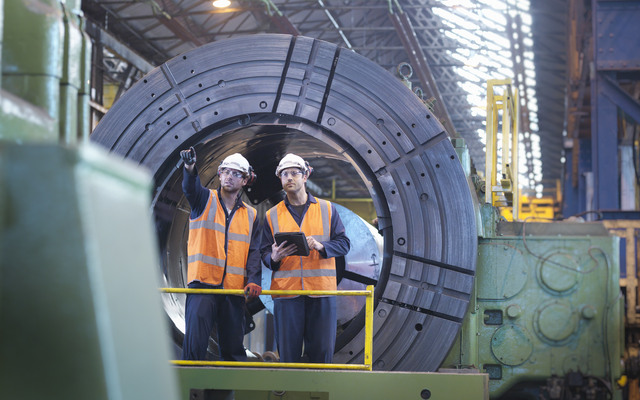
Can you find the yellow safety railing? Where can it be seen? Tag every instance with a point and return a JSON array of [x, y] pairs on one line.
[[503, 192], [368, 329]]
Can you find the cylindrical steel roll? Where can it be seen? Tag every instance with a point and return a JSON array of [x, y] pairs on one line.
[[265, 95]]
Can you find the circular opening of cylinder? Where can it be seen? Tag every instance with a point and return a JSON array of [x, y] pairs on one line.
[[337, 176]]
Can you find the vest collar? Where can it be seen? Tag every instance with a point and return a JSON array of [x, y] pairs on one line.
[[239, 202], [310, 199]]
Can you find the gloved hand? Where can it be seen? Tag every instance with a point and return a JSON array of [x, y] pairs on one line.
[[188, 156], [252, 290]]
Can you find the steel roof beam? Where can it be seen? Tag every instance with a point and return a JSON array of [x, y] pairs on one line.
[[421, 66]]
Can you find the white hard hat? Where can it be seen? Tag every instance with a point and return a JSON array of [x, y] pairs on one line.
[[292, 161], [236, 161]]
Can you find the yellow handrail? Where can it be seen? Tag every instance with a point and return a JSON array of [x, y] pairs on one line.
[[368, 329], [502, 192]]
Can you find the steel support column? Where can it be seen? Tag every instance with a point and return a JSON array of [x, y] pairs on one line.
[[616, 49], [575, 195], [604, 147]]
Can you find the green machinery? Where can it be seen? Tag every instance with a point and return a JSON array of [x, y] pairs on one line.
[[81, 317], [547, 317], [79, 310]]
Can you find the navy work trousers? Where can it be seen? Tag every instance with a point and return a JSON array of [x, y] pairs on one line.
[[202, 313], [308, 320]]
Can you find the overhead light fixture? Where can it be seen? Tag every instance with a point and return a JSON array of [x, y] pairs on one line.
[[221, 3]]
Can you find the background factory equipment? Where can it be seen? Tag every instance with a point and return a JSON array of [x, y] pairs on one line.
[[513, 274]]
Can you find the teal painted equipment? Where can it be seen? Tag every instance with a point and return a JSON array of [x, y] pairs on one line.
[[46, 67], [79, 309], [248, 384], [547, 315], [547, 308], [80, 315]]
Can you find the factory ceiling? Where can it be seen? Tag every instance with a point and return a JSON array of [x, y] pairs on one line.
[[145, 33]]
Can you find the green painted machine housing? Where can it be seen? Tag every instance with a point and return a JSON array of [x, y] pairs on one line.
[[547, 303], [45, 72], [80, 314]]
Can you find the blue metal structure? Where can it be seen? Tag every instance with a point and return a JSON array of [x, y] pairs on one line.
[[575, 198], [616, 53]]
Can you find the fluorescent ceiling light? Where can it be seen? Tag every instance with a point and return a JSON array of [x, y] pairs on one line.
[[221, 3], [480, 28]]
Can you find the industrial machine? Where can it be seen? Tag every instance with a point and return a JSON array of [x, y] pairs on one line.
[[501, 309], [546, 307], [79, 309], [296, 96]]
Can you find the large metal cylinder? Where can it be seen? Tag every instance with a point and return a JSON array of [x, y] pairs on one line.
[[265, 95], [32, 53]]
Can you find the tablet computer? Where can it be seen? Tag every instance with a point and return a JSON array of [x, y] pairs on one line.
[[294, 237]]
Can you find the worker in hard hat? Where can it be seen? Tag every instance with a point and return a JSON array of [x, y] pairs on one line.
[[224, 253], [303, 320]]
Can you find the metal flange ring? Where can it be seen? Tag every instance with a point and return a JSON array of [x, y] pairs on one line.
[[253, 94]]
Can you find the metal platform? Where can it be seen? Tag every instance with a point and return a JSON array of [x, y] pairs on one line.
[[244, 384]]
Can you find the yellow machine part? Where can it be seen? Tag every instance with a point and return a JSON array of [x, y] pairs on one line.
[[530, 207]]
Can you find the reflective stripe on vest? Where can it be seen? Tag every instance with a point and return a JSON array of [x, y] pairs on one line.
[[304, 273], [206, 247]]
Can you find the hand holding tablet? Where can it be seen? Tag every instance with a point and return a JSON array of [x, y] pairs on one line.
[[297, 238]]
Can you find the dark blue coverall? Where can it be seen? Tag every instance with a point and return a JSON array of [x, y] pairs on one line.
[[225, 312], [304, 319]]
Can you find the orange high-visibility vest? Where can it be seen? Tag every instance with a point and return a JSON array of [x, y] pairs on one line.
[[207, 256], [304, 273]]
